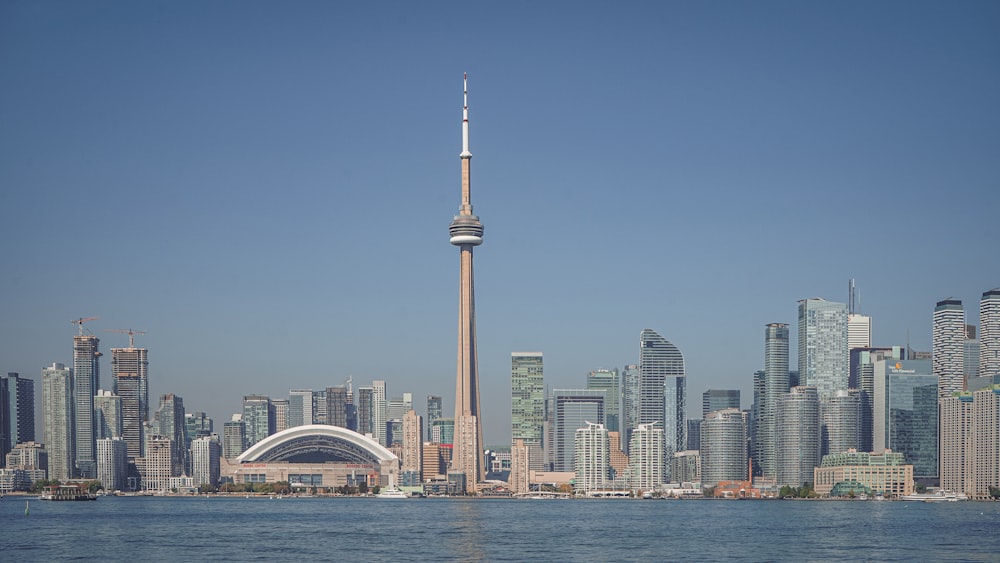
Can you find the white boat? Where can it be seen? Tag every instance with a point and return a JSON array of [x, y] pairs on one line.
[[392, 492], [936, 496]]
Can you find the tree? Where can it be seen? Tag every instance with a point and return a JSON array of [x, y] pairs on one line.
[[205, 488], [995, 492]]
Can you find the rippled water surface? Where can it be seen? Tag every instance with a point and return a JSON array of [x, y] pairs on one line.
[[358, 529]]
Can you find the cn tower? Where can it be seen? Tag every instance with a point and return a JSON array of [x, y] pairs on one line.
[[466, 233]]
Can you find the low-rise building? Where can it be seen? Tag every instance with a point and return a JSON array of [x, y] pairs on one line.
[[885, 474]]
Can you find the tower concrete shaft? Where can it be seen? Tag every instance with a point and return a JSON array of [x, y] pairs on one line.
[[467, 232]]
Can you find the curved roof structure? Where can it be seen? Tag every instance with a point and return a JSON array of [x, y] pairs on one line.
[[317, 443]]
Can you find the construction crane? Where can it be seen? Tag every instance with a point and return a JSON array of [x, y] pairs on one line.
[[131, 334], [79, 322]]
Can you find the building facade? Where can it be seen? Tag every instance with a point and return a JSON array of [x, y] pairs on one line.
[[130, 381], [86, 381], [775, 386], [798, 436], [823, 352], [112, 463], [646, 458], [885, 474], [662, 391], [572, 409], [592, 462], [723, 447], [906, 414], [608, 380], [205, 461], [989, 333], [948, 347], [58, 425]]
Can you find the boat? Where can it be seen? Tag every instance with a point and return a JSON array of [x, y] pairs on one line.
[[936, 496], [392, 492], [66, 492]]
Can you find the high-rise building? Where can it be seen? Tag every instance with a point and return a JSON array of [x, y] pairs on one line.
[[86, 381], [723, 447], [443, 431], [840, 422], [112, 463], [234, 440], [906, 414], [170, 424], [258, 418], [412, 461], [662, 391], [57, 415], [467, 232], [970, 353], [378, 412], [957, 453], [130, 373], [434, 412], [859, 331], [527, 403], [519, 477], [863, 377], [197, 425], [319, 408], [572, 409], [686, 467], [630, 401], [280, 414], [646, 457], [336, 406], [108, 413], [157, 466], [19, 409], [798, 436], [694, 434], [300, 411], [363, 405], [823, 352], [608, 380], [986, 441], [205, 453], [947, 349], [719, 399], [399, 406], [989, 333], [775, 383], [592, 458]]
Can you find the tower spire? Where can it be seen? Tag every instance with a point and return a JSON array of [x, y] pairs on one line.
[[465, 117]]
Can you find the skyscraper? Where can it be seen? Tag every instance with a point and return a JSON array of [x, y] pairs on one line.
[[336, 406], [906, 413], [527, 403], [205, 454], [258, 418], [970, 353], [646, 457], [379, 407], [467, 232], [86, 381], [630, 402], [108, 412], [592, 453], [300, 411], [412, 463], [434, 412], [775, 386], [947, 348], [823, 352], [20, 409], [662, 389], [234, 440], [719, 399], [130, 370], [57, 413], [798, 436], [607, 379], [840, 422], [989, 333], [723, 447], [170, 425], [363, 409], [112, 463], [571, 409]]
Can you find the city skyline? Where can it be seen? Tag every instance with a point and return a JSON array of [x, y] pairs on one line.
[[234, 188]]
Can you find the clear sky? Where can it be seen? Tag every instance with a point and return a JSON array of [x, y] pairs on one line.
[[266, 187]]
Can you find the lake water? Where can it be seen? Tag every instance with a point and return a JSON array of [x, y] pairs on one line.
[[369, 529]]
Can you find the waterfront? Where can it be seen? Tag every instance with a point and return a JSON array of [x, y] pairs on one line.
[[367, 529]]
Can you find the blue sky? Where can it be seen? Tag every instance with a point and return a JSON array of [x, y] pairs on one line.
[[266, 187]]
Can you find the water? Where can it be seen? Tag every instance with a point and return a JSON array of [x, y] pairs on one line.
[[360, 529]]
